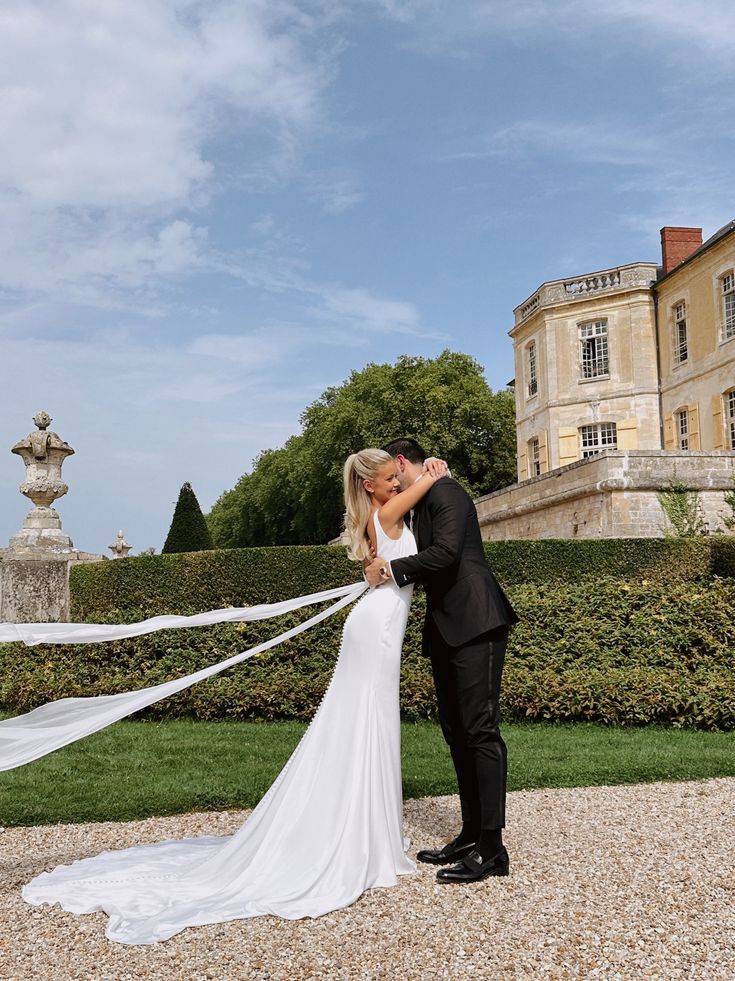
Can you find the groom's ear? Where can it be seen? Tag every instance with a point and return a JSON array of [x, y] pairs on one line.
[[401, 462]]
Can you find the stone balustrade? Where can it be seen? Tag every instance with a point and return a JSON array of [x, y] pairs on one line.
[[636, 275], [593, 284]]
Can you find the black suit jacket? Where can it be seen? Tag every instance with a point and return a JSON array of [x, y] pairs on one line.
[[462, 594]]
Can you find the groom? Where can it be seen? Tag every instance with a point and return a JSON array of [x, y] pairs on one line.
[[465, 633]]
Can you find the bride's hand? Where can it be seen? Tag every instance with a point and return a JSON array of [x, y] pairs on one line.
[[435, 467]]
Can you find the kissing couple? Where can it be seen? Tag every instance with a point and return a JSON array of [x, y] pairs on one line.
[[331, 824]]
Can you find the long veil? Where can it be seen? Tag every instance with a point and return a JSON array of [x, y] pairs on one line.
[[28, 737]]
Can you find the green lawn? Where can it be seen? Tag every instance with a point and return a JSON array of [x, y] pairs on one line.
[[138, 769]]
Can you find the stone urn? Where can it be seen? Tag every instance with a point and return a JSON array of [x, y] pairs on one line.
[[119, 547], [43, 452]]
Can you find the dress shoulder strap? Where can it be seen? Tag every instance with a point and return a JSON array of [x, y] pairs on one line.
[[377, 525]]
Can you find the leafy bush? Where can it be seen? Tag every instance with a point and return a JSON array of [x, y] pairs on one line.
[[191, 582], [194, 581], [682, 506], [611, 650], [564, 560]]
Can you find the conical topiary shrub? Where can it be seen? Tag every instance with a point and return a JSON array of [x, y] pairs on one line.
[[188, 531]]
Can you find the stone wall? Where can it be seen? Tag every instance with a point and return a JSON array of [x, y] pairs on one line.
[[611, 495], [36, 590]]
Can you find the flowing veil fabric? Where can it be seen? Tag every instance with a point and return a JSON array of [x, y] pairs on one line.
[[28, 737], [329, 828]]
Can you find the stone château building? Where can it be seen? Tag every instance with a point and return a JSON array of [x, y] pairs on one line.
[[625, 380]]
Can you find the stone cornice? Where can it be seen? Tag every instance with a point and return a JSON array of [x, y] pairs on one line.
[[606, 282]]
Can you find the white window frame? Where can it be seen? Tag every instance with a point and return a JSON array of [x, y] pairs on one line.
[[596, 438], [727, 300], [683, 432], [534, 457], [532, 369], [680, 345], [594, 350], [729, 406]]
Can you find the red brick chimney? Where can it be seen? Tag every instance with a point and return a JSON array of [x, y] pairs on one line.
[[677, 244]]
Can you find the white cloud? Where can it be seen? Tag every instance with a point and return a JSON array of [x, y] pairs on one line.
[[106, 110], [405, 11], [335, 191], [361, 308], [443, 24], [109, 104], [275, 265], [603, 142], [709, 27]]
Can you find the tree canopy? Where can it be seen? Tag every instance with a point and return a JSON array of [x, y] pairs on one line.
[[189, 531], [294, 494]]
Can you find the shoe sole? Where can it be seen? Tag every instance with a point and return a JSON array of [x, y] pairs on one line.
[[505, 870]]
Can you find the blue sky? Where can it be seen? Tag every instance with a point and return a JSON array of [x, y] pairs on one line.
[[213, 211]]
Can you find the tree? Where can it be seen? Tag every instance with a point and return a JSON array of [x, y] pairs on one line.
[[189, 531], [294, 494]]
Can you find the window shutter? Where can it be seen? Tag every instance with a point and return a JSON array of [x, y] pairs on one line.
[[568, 445], [523, 465], [543, 451], [694, 443], [669, 437], [628, 434], [718, 429]]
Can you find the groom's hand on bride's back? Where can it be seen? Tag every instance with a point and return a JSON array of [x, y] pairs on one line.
[[373, 571]]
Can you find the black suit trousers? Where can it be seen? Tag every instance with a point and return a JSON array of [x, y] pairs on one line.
[[467, 681]]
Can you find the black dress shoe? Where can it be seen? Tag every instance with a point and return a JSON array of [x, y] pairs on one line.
[[473, 869], [451, 852]]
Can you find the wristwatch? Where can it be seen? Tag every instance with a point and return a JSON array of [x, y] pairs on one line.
[[383, 570]]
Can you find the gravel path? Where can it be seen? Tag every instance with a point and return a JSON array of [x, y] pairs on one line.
[[606, 882]]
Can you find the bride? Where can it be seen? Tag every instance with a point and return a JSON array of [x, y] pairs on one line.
[[331, 824]]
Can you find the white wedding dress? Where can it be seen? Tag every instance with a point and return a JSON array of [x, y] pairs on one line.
[[330, 826]]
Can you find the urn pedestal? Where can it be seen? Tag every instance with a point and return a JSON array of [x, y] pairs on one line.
[[34, 569]]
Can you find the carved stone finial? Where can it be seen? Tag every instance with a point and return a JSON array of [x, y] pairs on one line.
[[120, 547], [42, 419]]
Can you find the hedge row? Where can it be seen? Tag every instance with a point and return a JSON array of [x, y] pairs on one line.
[[191, 582], [196, 581], [612, 651]]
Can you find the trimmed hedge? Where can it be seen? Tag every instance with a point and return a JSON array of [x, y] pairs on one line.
[[611, 651], [618, 631], [191, 582], [196, 581]]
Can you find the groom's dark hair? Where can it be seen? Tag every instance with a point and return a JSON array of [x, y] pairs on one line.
[[409, 448]]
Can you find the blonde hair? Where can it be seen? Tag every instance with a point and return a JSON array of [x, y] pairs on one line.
[[358, 504]]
